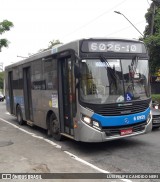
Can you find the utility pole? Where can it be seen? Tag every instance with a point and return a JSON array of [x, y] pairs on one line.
[[152, 20], [155, 2]]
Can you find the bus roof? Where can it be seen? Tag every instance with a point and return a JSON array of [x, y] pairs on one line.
[[62, 47]]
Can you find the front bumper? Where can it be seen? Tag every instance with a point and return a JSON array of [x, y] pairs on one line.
[[89, 134]]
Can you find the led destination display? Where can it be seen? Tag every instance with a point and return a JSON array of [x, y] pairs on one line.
[[113, 46]]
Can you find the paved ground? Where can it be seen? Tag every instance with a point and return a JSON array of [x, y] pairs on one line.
[[22, 153], [28, 150]]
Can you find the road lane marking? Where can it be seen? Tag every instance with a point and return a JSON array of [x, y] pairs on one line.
[[59, 147], [91, 165], [32, 134]]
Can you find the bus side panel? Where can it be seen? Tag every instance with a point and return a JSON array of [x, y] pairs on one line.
[[38, 113], [19, 100], [42, 104], [50, 103], [37, 85], [44, 90]]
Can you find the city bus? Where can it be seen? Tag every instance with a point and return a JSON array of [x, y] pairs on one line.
[[90, 90]]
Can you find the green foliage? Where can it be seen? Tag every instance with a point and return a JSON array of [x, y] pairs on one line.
[[153, 41], [156, 97], [3, 43], [1, 79], [51, 44], [5, 25], [153, 44]]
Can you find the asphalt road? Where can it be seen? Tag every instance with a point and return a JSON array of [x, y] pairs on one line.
[[140, 154]]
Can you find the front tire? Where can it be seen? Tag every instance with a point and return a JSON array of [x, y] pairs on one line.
[[54, 128], [19, 116]]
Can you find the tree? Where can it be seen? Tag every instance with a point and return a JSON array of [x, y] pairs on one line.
[[5, 25], [152, 35], [1, 80], [51, 44]]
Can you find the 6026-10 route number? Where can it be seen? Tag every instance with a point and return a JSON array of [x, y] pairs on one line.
[[123, 47]]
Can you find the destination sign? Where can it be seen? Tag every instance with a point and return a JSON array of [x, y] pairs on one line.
[[113, 46]]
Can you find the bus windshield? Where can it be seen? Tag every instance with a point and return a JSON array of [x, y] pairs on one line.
[[106, 81]]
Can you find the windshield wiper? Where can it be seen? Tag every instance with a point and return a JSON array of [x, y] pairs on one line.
[[113, 77], [109, 68], [134, 64]]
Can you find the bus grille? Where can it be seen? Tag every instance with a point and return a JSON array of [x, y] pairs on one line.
[[122, 109], [114, 131]]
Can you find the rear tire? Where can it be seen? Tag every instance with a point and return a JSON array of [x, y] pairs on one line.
[[19, 116], [54, 128]]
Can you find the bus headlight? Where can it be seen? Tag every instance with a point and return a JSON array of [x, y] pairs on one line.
[[86, 119], [90, 122], [95, 123]]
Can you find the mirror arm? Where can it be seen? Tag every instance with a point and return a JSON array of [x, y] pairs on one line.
[[76, 55]]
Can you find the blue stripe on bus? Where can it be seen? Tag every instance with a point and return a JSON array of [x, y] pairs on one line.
[[19, 100], [121, 120]]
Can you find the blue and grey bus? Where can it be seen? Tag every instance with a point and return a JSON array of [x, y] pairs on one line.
[[90, 90]]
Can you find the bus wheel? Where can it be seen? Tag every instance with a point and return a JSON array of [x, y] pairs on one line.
[[54, 128], [19, 116]]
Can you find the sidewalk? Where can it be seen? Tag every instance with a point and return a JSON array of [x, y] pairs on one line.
[[23, 153]]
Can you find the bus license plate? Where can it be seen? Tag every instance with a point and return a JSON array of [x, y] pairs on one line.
[[156, 121], [126, 131]]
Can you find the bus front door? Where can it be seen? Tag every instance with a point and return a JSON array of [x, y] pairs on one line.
[[66, 95]]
